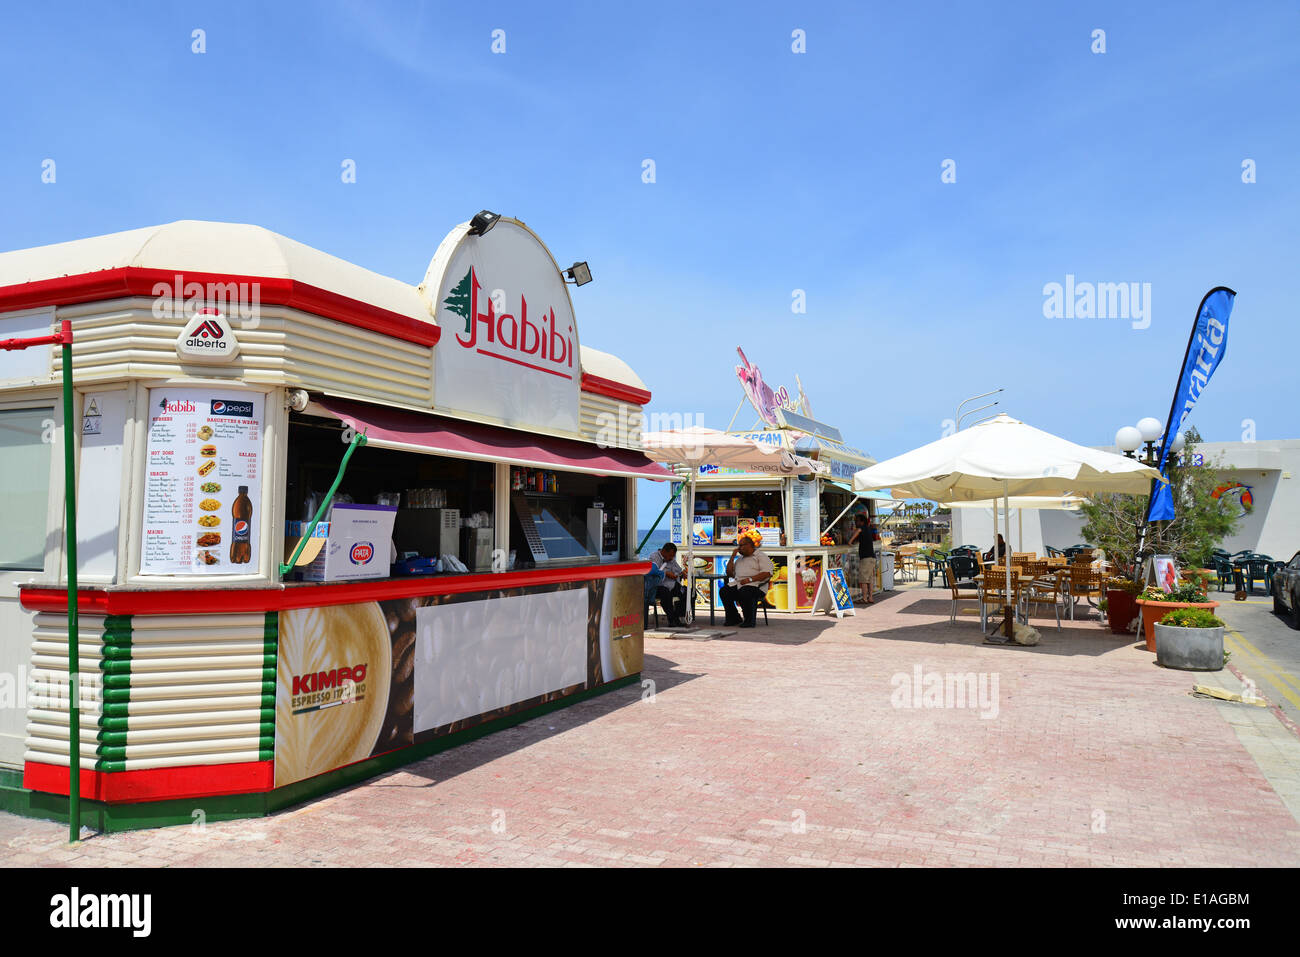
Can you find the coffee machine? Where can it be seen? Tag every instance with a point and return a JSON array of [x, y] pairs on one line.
[[604, 532]]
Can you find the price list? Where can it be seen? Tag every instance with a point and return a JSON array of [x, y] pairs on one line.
[[202, 448]]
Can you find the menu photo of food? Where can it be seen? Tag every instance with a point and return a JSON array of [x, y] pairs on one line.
[[204, 433], [208, 451], [207, 467]]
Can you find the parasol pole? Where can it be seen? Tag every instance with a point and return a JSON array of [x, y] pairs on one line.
[[688, 532], [1006, 551]]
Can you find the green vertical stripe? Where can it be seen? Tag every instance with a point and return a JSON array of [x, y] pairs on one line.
[[115, 666], [271, 648]]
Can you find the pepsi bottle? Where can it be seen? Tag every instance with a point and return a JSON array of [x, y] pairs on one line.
[[241, 532]]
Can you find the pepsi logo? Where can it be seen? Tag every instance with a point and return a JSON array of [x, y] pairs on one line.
[[241, 527], [361, 553], [229, 408]]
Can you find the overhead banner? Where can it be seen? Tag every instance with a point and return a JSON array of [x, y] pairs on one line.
[[509, 352], [1205, 349]]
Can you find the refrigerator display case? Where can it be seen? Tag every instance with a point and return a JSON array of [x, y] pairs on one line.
[[553, 533]]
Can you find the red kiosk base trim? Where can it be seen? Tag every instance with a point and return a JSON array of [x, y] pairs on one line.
[[154, 784]]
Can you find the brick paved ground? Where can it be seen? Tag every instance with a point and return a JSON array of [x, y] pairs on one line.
[[781, 746]]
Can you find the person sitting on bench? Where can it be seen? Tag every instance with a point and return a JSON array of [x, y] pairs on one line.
[[750, 570]]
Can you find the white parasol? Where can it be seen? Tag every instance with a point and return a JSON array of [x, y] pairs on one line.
[[1001, 458]]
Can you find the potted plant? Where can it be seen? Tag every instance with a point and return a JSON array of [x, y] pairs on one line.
[[1156, 603], [1190, 639], [1121, 604]]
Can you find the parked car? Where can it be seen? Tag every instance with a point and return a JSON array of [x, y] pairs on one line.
[[1286, 591]]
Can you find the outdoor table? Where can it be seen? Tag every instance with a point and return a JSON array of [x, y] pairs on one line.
[[711, 578]]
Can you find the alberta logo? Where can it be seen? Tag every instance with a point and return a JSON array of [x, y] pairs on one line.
[[538, 345], [207, 337]]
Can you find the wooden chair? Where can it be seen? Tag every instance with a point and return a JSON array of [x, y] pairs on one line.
[[958, 592], [1056, 561], [1022, 557], [1084, 582], [1036, 568], [994, 591]]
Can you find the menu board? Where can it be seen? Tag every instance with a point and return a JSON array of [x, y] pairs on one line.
[[205, 445], [803, 524]]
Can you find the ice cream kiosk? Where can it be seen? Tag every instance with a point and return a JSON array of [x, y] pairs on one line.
[[805, 521], [328, 522]]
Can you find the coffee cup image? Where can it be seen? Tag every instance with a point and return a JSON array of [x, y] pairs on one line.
[[332, 687], [622, 631]]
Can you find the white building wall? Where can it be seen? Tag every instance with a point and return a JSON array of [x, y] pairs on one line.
[[1269, 468]]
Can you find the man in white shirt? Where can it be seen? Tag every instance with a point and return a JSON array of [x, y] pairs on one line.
[[751, 571], [672, 593]]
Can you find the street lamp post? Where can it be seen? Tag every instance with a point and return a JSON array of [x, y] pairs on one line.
[[1129, 440]]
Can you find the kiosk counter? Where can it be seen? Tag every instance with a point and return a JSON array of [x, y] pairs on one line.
[[805, 521], [472, 566]]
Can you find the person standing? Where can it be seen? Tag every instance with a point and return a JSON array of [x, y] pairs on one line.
[[751, 570], [672, 593], [865, 536]]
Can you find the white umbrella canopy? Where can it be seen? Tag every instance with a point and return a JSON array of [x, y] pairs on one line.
[[698, 446], [1001, 458], [1004, 457], [1060, 503]]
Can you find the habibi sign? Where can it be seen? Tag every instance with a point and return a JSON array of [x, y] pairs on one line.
[[509, 347]]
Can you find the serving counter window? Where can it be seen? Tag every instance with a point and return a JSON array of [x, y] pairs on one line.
[[565, 518], [441, 508], [834, 502], [721, 514]]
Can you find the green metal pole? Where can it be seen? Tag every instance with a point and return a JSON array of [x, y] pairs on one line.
[[70, 529], [358, 439], [675, 497]]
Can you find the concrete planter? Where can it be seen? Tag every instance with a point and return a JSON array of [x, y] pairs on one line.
[[1189, 649], [1153, 611]]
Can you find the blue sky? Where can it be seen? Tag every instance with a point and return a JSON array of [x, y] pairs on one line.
[[775, 171]]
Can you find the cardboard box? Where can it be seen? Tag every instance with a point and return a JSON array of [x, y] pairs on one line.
[[357, 543]]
